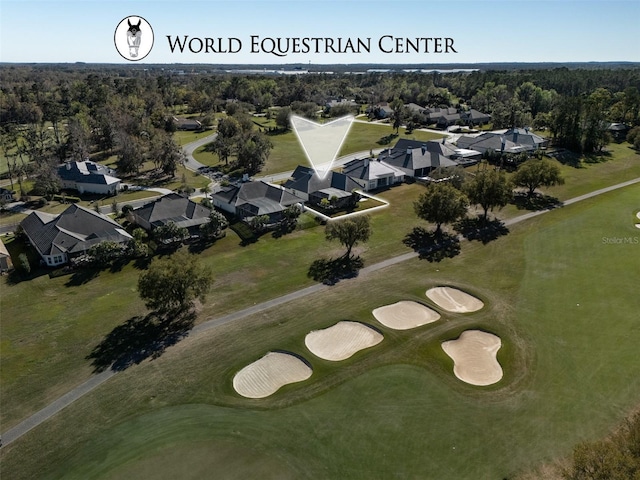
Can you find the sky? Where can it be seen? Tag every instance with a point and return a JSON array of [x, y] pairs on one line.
[[482, 30]]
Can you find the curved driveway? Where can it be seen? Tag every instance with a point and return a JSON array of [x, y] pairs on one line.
[[188, 149]]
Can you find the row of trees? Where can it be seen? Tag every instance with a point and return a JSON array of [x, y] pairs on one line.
[[238, 141], [101, 109], [443, 203]]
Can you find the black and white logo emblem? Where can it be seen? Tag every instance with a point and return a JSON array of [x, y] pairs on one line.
[[133, 38]]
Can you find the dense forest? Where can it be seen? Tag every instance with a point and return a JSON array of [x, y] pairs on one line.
[[53, 113]]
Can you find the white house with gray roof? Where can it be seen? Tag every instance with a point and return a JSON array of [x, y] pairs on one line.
[[308, 186], [89, 177], [414, 160], [372, 174], [253, 199], [172, 208], [58, 238]]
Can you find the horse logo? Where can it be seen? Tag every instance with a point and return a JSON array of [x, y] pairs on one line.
[[133, 38]]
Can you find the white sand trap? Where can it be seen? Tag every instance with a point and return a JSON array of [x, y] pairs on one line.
[[405, 315], [638, 215], [265, 376], [474, 357], [342, 340], [454, 300]]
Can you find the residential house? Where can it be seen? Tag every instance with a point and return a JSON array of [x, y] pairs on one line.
[[88, 177], [414, 161], [446, 120], [187, 124], [415, 108], [5, 258], [380, 111], [434, 113], [7, 196], [172, 208], [309, 187], [252, 199], [443, 147], [59, 238], [514, 140], [440, 147], [525, 137], [474, 118], [618, 131], [372, 174], [340, 102]]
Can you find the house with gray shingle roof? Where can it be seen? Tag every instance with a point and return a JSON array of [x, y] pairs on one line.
[[413, 160], [253, 199], [59, 238], [442, 147], [372, 174], [446, 120], [7, 195], [172, 208], [474, 117], [513, 140], [89, 177], [187, 124], [309, 187]]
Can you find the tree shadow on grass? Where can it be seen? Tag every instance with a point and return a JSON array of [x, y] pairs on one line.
[[432, 246], [387, 139], [140, 338], [81, 276], [332, 271], [535, 202], [480, 229], [284, 229]]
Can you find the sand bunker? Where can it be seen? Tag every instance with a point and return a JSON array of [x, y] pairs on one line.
[[405, 315], [454, 300], [342, 340], [265, 376], [474, 357]]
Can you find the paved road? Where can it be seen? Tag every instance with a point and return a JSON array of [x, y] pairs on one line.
[[190, 163], [96, 380], [188, 149]]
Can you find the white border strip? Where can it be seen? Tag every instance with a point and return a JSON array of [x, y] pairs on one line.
[[353, 214]]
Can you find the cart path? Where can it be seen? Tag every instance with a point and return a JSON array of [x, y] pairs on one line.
[[96, 380]]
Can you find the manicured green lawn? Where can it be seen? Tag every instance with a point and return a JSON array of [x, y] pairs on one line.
[[371, 136], [239, 281], [287, 153], [10, 218], [563, 301], [183, 138], [206, 158]]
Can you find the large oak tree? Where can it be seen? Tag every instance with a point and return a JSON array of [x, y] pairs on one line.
[[441, 204]]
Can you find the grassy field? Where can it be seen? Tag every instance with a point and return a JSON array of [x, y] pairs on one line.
[[569, 331], [287, 153], [57, 359]]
